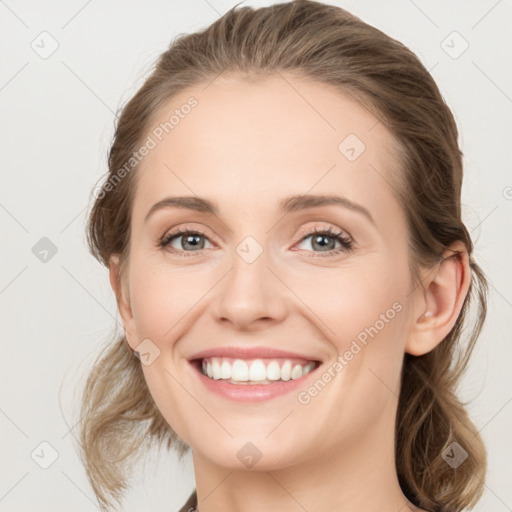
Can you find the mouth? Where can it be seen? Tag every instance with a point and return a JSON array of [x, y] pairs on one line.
[[243, 377], [247, 372]]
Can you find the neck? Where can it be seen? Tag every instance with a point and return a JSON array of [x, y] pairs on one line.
[[360, 475]]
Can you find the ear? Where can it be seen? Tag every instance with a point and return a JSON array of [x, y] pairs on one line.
[[120, 288], [443, 292]]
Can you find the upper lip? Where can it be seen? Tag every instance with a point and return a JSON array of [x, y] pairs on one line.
[[250, 353]]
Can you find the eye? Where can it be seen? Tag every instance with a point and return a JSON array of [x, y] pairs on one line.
[[187, 240], [183, 241], [325, 241]]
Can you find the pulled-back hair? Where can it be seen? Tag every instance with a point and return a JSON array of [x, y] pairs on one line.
[[331, 46]]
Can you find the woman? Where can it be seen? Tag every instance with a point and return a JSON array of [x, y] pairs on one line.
[[281, 222]]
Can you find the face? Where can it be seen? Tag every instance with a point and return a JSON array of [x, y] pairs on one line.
[[270, 274]]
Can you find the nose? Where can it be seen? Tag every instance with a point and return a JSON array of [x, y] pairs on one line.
[[251, 294]]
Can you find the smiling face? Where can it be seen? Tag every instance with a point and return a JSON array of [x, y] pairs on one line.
[[253, 274]]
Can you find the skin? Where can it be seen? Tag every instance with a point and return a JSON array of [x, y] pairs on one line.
[[246, 146]]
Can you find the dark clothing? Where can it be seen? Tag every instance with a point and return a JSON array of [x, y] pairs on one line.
[[191, 504]]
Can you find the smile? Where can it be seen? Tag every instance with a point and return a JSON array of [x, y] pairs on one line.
[[252, 375], [255, 371]]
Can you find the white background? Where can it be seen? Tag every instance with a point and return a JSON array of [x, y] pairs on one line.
[[57, 122]]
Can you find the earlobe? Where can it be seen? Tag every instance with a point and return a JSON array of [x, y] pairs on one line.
[[444, 292], [113, 269], [123, 300]]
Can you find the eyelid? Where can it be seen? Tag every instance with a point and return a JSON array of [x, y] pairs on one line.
[[184, 228], [197, 227], [311, 230]]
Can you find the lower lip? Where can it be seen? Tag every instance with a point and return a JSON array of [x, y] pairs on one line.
[[251, 392]]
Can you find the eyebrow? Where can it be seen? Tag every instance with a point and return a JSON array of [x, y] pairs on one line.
[[287, 205]]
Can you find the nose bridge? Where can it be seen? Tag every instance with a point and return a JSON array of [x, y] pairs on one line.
[[250, 291]]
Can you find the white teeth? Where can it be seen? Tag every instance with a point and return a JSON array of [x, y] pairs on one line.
[[273, 371], [308, 368], [296, 372], [286, 370], [255, 371], [216, 369], [240, 370], [225, 370]]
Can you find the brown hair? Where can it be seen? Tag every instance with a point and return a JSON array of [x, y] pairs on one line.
[[331, 46]]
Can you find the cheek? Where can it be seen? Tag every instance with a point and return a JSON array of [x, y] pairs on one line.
[[162, 295], [356, 298], [364, 310], [368, 324], [168, 395]]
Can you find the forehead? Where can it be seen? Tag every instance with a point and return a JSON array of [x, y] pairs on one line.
[[261, 139]]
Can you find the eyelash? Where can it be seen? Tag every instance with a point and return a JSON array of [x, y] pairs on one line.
[[345, 241]]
